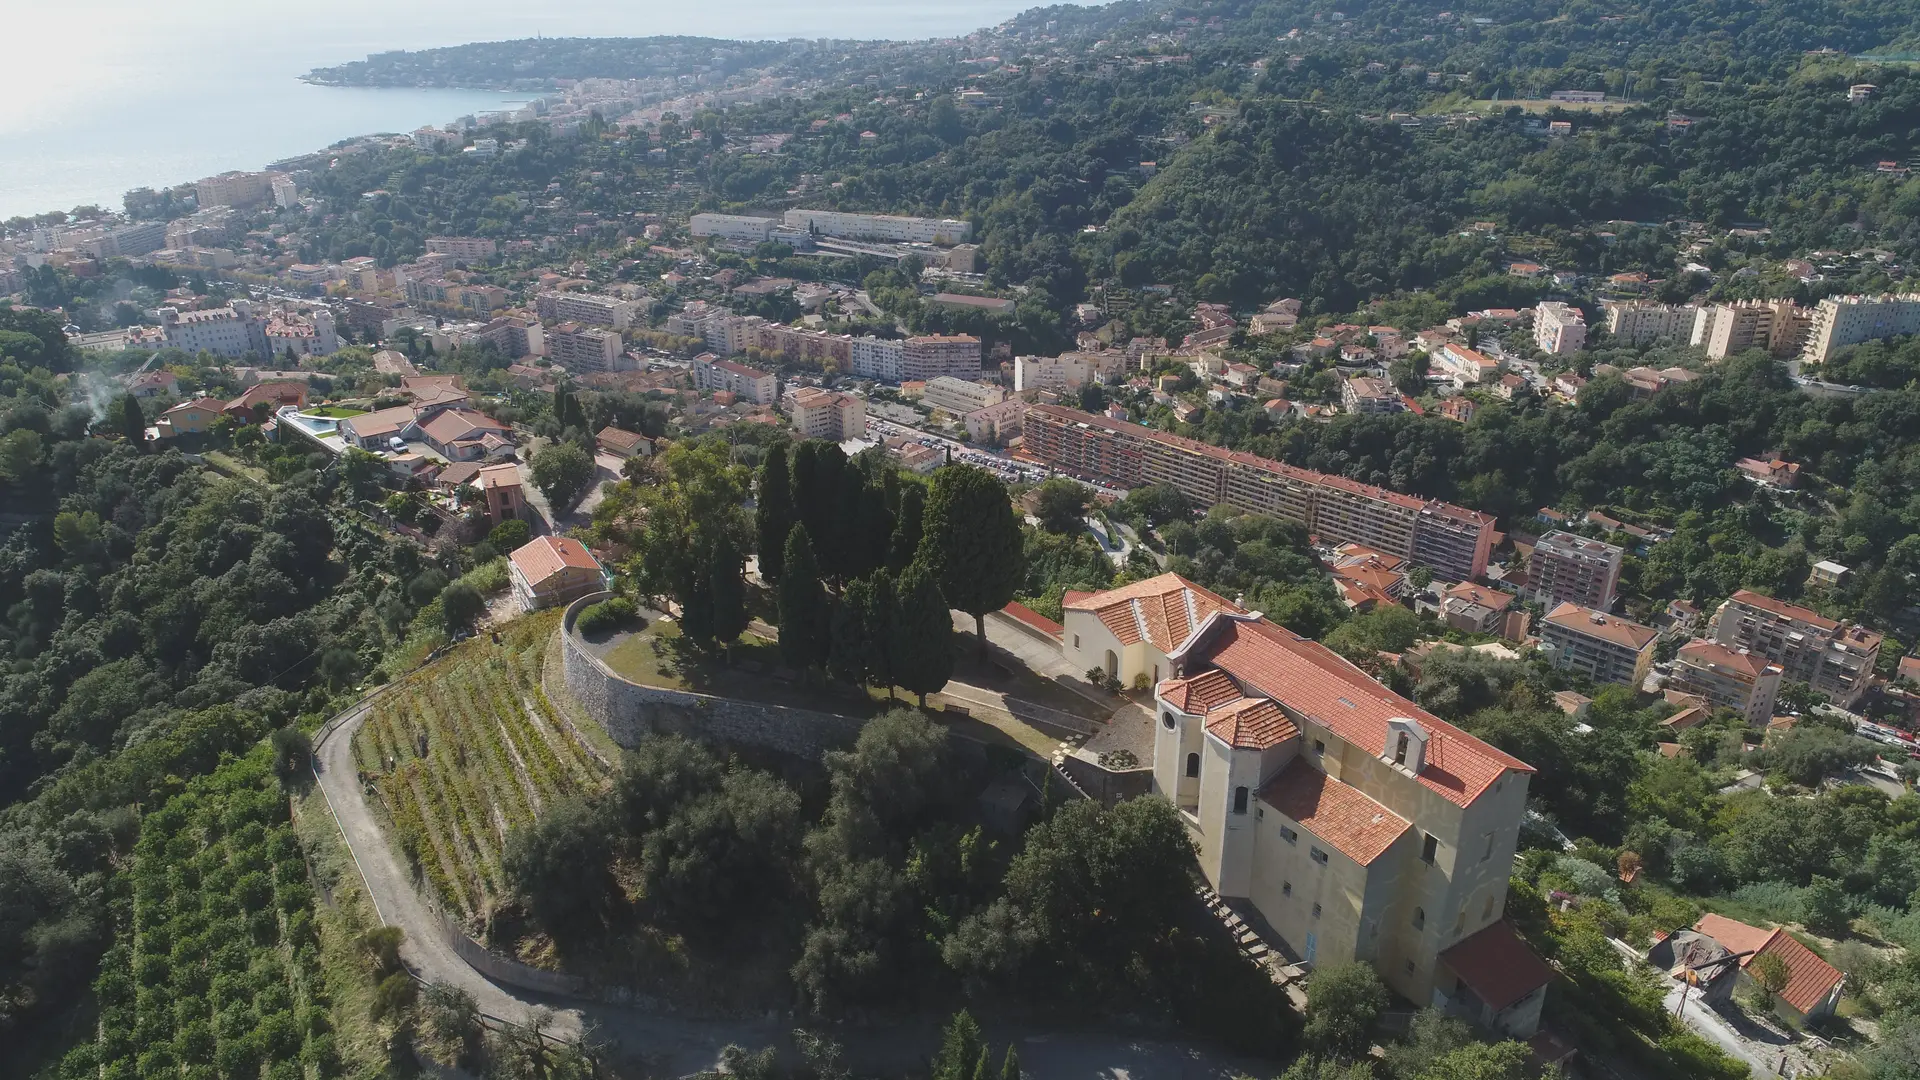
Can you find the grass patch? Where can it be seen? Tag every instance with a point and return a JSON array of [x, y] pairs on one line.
[[464, 751], [1542, 105], [233, 466], [334, 412], [343, 912]]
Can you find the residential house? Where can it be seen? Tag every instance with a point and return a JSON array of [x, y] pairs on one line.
[[1367, 578], [1459, 409], [153, 383], [502, 488], [269, 395], [1813, 985], [552, 570], [466, 435], [375, 430], [1772, 472], [1370, 397], [1477, 609], [190, 418], [623, 444]]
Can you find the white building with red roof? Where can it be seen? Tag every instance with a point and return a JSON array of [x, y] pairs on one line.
[[551, 570], [1360, 826]]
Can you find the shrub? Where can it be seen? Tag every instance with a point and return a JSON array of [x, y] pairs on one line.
[[509, 535], [609, 614]]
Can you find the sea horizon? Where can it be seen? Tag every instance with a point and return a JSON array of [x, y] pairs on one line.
[[161, 102]]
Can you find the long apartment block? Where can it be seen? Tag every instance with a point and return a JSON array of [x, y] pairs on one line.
[[1450, 540]]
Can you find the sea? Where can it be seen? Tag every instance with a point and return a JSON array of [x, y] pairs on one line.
[[101, 96]]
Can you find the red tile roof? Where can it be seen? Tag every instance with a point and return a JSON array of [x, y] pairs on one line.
[[1597, 624], [1717, 657], [1497, 966], [1313, 681], [545, 556], [1809, 978], [1338, 813], [1032, 618], [1200, 694], [1783, 609], [1251, 724], [1161, 610]]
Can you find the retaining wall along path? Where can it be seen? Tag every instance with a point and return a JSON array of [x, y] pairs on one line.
[[629, 710]]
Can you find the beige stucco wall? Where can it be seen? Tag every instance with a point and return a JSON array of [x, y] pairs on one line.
[[1086, 642]]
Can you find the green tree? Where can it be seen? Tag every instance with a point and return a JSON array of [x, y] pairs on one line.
[[559, 866], [971, 536], [460, 605], [1769, 973], [562, 472], [773, 511], [1062, 504], [19, 452], [960, 1048], [510, 535], [850, 657], [133, 423], [921, 644], [806, 615], [1343, 1003], [1826, 909]]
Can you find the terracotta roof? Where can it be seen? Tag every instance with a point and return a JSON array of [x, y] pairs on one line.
[[1497, 966], [1313, 681], [1250, 724], [1161, 610], [545, 556], [1783, 609], [1597, 624], [1809, 978], [460, 472], [1032, 618], [457, 424], [205, 404], [1717, 657], [376, 425], [1335, 812], [1200, 694], [500, 476], [1685, 718], [1491, 599], [620, 437]]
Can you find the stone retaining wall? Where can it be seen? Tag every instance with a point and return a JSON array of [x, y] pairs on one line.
[[511, 972], [629, 710]]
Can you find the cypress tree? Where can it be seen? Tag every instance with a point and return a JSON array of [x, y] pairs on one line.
[[805, 617], [696, 607], [133, 423], [773, 511], [905, 543], [970, 534], [920, 646], [880, 624], [1010, 1065], [729, 592], [849, 657]]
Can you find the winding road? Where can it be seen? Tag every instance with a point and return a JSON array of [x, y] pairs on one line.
[[654, 1044]]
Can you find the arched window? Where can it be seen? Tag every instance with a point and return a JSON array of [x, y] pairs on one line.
[[1419, 918], [1167, 719], [1400, 749], [1239, 800], [1193, 766], [1113, 665]]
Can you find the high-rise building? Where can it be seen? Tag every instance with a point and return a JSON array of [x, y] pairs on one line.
[[1452, 541], [1559, 328], [828, 414], [934, 355], [1728, 678], [234, 189], [1841, 321], [733, 227], [586, 308], [1777, 326], [464, 248], [960, 396], [876, 358], [712, 373], [1606, 648], [1835, 658], [1568, 567], [1641, 323], [585, 348]]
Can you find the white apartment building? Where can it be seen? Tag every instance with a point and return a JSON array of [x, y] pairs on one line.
[[234, 189], [138, 238], [464, 248], [1841, 321], [231, 331], [996, 423], [733, 227], [585, 308], [1365, 396], [586, 348], [286, 193], [930, 356], [943, 231], [750, 384], [828, 414], [876, 358], [1567, 567], [302, 336], [1559, 328], [1778, 326], [1834, 658], [1640, 323], [959, 396], [1464, 366], [1359, 826], [1070, 371]]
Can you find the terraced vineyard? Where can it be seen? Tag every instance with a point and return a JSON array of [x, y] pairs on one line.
[[465, 750]]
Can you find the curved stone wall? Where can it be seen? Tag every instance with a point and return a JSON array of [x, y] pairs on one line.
[[629, 710]]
